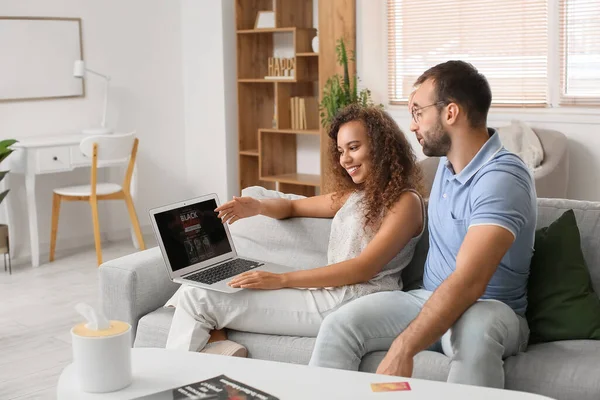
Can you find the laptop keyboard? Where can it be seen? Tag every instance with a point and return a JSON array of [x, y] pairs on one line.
[[223, 271]]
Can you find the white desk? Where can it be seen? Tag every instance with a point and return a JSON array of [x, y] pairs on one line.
[[159, 369], [47, 155]]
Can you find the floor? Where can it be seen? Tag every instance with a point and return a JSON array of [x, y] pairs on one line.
[[36, 315]]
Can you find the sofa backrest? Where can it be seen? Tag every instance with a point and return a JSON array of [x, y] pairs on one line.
[[298, 242], [302, 242], [588, 221], [550, 177]]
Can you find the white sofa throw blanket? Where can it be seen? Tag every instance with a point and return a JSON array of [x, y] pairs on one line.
[[520, 139]]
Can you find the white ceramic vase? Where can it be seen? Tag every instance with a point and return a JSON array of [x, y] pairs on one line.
[[315, 43]]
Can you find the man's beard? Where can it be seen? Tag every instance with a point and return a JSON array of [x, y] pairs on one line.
[[438, 141]]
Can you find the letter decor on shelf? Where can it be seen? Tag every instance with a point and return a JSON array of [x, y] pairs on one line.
[[281, 68]]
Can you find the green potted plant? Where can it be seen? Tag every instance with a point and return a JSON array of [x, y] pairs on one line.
[[5, 151], [340, 91]]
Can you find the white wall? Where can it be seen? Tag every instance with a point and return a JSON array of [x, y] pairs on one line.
[[308, 158], [138, 43], [580, 125], [210, 92]]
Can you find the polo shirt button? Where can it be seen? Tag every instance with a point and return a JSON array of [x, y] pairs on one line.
[[445, 195]]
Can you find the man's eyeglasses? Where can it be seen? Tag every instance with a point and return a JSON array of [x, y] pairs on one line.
[[416, 111]]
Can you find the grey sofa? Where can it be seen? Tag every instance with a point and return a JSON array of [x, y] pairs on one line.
[[551, 177], [135, 287]]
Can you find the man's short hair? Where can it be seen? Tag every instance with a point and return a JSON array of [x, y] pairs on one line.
[[459, 82]]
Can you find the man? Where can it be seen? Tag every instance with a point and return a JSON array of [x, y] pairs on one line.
[[482, 218]]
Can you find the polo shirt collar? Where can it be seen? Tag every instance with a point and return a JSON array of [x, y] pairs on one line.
[[483, 156]]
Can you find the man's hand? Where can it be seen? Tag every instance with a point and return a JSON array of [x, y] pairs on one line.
[[258, 280], [396, 362]]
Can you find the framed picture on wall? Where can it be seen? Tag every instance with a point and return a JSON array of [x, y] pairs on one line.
[[37, 58]]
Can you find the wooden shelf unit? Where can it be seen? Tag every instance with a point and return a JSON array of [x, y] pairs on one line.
[[267, 141]]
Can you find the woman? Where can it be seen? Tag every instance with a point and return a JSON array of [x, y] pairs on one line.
[[378, 218]]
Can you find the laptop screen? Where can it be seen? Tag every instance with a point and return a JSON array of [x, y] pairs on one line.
[[192, 234]]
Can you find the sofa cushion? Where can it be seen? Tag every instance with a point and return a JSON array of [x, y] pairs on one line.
[[563, 370], [290, 349], [153, 328], [299, 242], [429, 365], [562, 301], [587, 214]]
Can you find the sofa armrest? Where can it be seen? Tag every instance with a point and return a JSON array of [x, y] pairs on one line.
[[134, 285]]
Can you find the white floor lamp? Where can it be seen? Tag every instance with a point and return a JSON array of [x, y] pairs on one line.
[[79, 71]]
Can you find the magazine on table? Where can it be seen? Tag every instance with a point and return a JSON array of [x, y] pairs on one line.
[[218, 388]]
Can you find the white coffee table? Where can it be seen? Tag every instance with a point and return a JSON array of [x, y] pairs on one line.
[[159, 369]]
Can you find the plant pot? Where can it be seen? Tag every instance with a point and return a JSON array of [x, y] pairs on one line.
[[3, 239]]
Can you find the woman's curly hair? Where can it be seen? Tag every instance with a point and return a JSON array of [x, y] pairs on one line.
[[394, 164]]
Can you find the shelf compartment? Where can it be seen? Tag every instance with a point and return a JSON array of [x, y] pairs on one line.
[[265, 30], [303, 40], [307, 68], [257, 80], [277, 154], [255, 46], [257, 102], [249, 173], [247, 10], [294, 13], [277, 159], [252, 56], [302, 190], [295, 179], [283, 93], [293, 131]]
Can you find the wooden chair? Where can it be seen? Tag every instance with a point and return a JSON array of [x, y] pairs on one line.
[[104, 149]]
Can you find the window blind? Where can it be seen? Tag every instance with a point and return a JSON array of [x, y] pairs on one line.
[[579, 42], [506, 40]]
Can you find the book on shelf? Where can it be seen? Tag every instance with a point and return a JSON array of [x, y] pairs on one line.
[[304, 112], [218, 388]]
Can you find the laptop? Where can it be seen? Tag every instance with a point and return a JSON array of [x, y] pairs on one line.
[[197, 247]]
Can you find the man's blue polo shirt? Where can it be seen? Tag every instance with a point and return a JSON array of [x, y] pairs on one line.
[[495, 188]]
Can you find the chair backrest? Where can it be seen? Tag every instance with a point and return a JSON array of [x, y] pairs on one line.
[[110, 147]]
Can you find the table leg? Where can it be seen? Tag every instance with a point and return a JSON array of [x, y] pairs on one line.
[[133, 191], [33, 219]]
